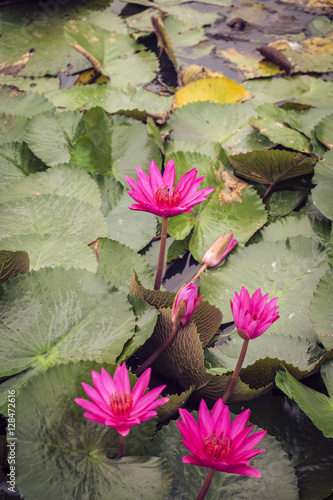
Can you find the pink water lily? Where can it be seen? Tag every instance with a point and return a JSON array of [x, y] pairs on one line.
[[190, 294], [115, 405], [253, 315], [218, 444], [158, 195]]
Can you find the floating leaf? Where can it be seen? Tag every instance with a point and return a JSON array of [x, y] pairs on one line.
[[249, 63], [116, 263], [115, 55], [277, 474], [51, 136], [271, 124], [315, 405], [321, 314], [219, 89], [312, 54], [56, 224], [12, 128], [322, 193], [233, 207], [204, 121], [302, 89], [69, 456], [12, 264], [270, 167], [17, 161], [93, 151], [324, 131], [75, 314], [15, 102]]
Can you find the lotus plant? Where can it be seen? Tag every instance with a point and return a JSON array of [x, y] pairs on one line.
[[252, 317], [157, 194], [185, 304], [114, 404], [217, 444]]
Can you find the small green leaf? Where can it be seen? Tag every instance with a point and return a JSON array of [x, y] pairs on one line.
[[93, 151], [324, 179], [317, 406], [321, 313]]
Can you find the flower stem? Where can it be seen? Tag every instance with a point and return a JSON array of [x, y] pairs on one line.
[[234, 376], [201, 270], [160, 263], [206, 484], [157, 353], [122, 445]]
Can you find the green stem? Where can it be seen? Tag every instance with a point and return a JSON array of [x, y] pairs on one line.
[[206, 484], [234, 376], [122, 445], [160, 263], [157, 353]]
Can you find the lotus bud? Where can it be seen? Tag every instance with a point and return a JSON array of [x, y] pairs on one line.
[[219, 249], [185, 304]]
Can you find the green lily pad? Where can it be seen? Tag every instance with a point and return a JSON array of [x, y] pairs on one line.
[[281, 203], [233, 207], [12, 128], [65, 455], [270, 167], [324, 131], [15, 102], [323, 177], [321, 314], [56, 227], [271, 124], [75, 314], [116, 263], [317, 406], [12, 264], [33, 38], [204, 121], [17, 161], [303, 89], [277, 474], [117, 55], [51, 135]]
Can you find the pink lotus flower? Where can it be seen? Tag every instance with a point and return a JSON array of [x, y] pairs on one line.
[[113, 402], [157, 194], [217, 444], [219, 249], [253, 316], [190, 294]]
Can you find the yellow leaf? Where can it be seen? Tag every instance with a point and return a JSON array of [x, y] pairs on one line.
[[217, 89]]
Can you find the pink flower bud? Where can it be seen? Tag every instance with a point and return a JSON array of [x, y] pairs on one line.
[[219, 249], [189, 294]]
